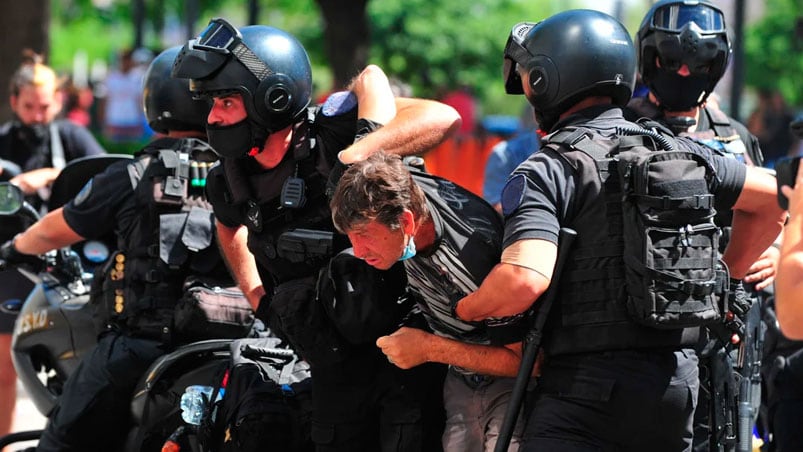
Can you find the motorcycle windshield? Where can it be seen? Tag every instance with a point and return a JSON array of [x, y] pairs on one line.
[[76, 174]]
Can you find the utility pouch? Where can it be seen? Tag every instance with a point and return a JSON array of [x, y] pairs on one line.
[[672, 269], [299, 245], [208, 311]]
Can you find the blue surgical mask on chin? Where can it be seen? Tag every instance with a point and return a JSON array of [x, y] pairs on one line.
[[409, 250]]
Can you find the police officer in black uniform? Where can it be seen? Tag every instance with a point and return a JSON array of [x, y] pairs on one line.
[[140, 201], [683, 50], [607, 383], [274, 223]]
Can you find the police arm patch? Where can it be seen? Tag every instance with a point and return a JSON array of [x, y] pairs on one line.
[[83, 194], [513, 193], [339, 103]]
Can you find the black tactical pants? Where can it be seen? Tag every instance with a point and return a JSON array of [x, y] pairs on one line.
[[615, 401], [784, 381], [93, 412], [368, 404]]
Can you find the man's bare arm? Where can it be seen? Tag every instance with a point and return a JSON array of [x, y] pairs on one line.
[[411, 126], [234, 248], [410, 347], [757, 221]]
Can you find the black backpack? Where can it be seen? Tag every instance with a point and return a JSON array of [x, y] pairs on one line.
[[674, 278]]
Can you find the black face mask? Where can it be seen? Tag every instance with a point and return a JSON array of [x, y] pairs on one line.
[[546, 120], [678, 93], [33, 135], [232, 141]]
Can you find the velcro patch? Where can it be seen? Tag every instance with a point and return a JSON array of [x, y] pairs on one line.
[[513, 194], [83, 194], [339, 103]]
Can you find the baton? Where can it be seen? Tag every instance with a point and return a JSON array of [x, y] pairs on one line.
[[532, 342]]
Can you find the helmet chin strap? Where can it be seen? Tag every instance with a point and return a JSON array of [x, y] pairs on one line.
[[258, 137], [680, 124]]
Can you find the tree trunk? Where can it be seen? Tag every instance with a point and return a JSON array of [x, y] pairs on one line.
[[24, 25], [347, 38]]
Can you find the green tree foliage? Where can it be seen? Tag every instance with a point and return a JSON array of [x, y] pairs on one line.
[[773, 53], [436, 45]]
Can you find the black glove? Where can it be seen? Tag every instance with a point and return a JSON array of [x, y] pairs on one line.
[[10, 256], [739, 301]]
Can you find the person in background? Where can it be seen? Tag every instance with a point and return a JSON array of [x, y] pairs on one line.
[[770, 123], [34, 146], [507, 155], [136, 297], [463, 100], [683, 52], [78, 104], [121, 106]]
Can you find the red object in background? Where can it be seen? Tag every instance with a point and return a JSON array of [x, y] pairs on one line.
[[462, 160], [465, 104]]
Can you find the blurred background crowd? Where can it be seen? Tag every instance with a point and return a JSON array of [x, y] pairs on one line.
[[439, 49]]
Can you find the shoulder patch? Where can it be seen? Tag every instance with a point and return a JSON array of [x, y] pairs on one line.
[[339, 103], [83, 194], [513, 194]]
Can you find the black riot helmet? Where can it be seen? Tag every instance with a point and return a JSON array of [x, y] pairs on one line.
[[267, 66], [567, 57], [168, 103], [682, 32]]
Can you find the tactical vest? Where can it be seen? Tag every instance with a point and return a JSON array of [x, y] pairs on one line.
[[592, 314], [288, 241], [723, 137], [171, 240]]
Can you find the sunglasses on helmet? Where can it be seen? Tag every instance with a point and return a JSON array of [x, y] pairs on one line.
[[673, 18]]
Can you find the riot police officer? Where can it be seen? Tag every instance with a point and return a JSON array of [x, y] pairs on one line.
[[630, 384], [140, 201], [274, 223], [683, 51]]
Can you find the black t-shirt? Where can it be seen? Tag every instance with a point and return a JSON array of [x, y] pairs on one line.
[[108, 203], [468, 244], [76, 141], [332, 129], [550, 191], [105, 205]]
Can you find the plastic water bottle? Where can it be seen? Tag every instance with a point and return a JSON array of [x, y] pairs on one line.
[[194, 401]]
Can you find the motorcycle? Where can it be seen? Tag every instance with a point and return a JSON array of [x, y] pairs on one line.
[[54, 329]]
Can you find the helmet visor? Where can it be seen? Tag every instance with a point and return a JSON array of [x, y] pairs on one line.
[[218, 36], [210, 51], [515, 54], [673, 18]]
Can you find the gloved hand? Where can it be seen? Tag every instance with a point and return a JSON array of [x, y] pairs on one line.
[[739, 300], [10, 256], [738, 303]]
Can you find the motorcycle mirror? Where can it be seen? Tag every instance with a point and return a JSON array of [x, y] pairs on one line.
[[11, 199]]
